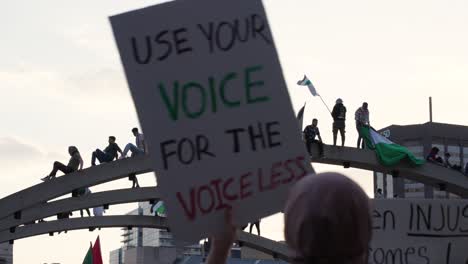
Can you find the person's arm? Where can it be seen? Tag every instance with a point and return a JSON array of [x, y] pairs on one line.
[[334, 112], [318, 135], [222, 243]]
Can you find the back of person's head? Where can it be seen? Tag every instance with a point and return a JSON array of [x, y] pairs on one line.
[[72, 150], [135, 130], [327, 220], [365, 105], [435, 150], [112, 138], [339, 101]]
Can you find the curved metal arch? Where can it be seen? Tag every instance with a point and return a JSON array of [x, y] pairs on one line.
[[63, 185], [430, 174], [276, 249], [44, 210], [83, 223]]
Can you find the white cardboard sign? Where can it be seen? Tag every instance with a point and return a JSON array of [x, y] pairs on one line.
[[419, 232], [211, 98]]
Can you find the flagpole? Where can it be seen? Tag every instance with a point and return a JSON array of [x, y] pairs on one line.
[[324, 103]]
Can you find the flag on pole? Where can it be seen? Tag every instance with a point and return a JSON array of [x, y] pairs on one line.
[[89, 256], [306, 82], [97, 256], [160, 209], [300, 116], [388, 153]]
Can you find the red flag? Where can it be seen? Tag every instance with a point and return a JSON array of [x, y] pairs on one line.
[[97, 257]]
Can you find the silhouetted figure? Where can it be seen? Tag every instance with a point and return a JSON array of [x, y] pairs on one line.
[[379, 194], [362, 119], [339, 121], [257, 226], [327, 220], [75, 163], [139, 148], [310, 133], [434, 157], [448, 164], [109, 153]]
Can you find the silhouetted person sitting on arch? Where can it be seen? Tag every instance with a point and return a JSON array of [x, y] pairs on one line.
[[74, 164], [448, 164], [139, 148], [434, 157], [109, 153], [310, 133]]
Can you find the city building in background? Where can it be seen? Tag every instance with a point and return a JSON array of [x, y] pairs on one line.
[[419, 139], [150, 245]]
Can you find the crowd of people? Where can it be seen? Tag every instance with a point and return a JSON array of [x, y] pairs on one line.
[[311, 133], [109, 154]]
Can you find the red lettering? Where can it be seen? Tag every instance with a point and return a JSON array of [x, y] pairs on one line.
[[274, 174], [191, 212], [291, 172], [300, 164], [211, 198], [228, 196], [244, 185], [219, 195]]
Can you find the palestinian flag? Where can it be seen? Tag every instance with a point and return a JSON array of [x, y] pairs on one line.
[[94, 255], [89, 256], [160, 209], [388, 153], [306, 82], [97, 256]]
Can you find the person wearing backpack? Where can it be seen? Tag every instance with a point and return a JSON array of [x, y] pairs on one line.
[[339, 121]]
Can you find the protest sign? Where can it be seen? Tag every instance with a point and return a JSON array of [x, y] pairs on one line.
[[419, 231], [211, 98]]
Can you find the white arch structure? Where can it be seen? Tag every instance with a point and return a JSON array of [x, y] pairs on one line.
[[430, 174], [44, 210], [276, 249]]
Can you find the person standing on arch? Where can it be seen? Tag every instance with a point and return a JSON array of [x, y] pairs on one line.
[[339, 121], [362, 119]]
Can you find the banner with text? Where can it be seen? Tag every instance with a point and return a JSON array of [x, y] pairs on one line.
[[210, 94], [419, 231]]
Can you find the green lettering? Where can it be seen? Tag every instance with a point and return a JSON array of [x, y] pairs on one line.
[[222, 85], [172, 107], [185, 100], [249, 84]]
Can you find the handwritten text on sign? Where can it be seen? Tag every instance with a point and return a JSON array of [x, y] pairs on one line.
[[419, 231], [212, 101]]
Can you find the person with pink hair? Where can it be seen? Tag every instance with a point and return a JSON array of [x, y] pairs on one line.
[[327, 221]]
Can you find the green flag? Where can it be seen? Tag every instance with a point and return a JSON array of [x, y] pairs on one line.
[[89, 256], [389, 153]]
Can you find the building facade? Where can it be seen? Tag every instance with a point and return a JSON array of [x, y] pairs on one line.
[[419, 139]]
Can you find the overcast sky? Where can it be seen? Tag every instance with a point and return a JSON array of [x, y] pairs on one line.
[[62, 83]]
